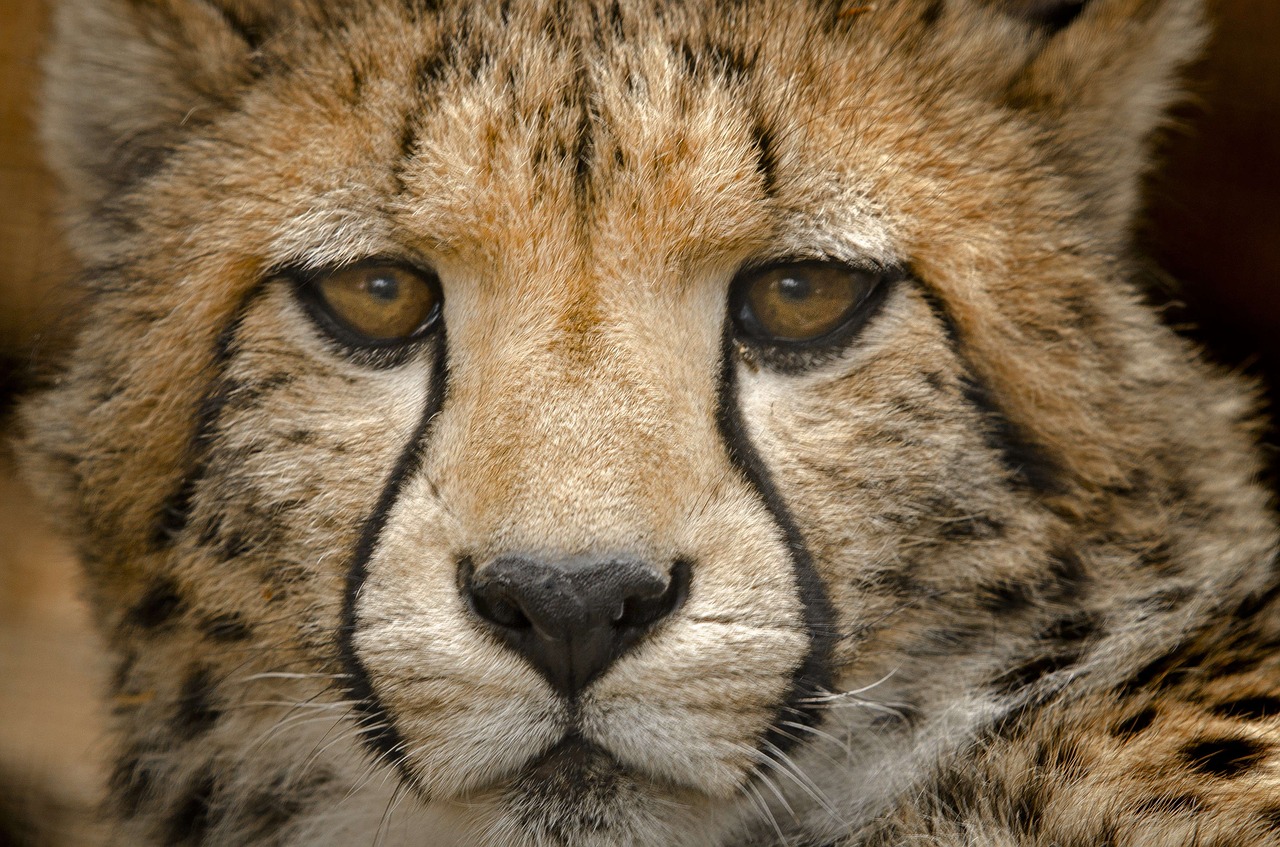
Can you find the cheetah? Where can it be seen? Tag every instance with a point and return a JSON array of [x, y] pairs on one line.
[[724, 423]]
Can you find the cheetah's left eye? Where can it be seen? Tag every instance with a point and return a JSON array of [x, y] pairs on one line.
[[799, 302]]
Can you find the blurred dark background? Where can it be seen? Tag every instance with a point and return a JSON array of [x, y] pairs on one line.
[[1213, 219], [1212, 224]]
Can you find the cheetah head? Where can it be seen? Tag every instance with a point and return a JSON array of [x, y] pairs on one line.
[[601, 423]]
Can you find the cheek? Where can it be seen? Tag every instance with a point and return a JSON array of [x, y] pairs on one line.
[[903, 503], [296, 446]]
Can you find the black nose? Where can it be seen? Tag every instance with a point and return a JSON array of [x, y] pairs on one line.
[[571, 619]]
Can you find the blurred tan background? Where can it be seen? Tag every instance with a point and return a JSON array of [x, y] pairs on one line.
[[1214, 224], [49, 662]]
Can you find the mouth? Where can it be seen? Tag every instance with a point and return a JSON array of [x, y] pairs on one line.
[[574, 770]]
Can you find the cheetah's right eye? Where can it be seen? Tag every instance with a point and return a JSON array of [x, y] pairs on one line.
[[375, 304]]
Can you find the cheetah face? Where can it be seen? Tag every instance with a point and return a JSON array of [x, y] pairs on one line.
[[618, 421]]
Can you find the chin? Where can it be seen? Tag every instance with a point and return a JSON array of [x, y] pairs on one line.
[[578, 795]]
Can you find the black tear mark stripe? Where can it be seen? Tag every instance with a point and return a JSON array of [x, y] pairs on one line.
[[378, 729], [1025, 460], [175, 512], [813, 677]]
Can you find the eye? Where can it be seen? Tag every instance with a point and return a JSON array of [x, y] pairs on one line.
[[800, 303], [375, 304]]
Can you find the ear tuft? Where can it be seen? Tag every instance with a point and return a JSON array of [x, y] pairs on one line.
[[1101, 79], [125, 80]]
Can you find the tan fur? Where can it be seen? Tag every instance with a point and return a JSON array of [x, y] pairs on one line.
[[1032, 508]]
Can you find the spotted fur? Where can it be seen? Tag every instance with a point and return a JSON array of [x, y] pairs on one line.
[[998, 571]]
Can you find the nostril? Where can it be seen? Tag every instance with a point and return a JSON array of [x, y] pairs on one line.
[[641, 611], [489, 602], [500, 610]]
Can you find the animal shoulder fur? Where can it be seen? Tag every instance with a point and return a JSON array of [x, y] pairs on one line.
[[649, 423]]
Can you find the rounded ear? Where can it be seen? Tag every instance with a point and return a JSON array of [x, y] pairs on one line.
[[1102, 79], [125, 80]]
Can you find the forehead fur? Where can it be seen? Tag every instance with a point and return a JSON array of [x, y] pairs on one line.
[[983, 148]]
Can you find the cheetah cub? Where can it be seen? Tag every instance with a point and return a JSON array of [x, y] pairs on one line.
[[669, 423]]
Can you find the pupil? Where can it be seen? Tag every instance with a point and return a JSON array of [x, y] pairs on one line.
[[383, 288], [791, 288]]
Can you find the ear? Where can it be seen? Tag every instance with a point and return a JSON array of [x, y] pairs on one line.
[[1101, 78], [125, 80]]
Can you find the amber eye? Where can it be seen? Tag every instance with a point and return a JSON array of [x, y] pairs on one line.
[[799, 302], [378, 304]]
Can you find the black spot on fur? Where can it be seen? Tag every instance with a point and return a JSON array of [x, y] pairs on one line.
[[766, 156], [265, 814], [1159, 558], [1027, 809], [897, 582], [932, 13], [233, 546], [228, 628], [1105, 835], [728, 64], [407, 149], [617, 25], [1067, 576], [1240, 662], [301, 437], [428, 74], [249, 395], [973, 526], [1271, 818], [429, 7], [584, 150], [952, 794], [1004, 598], [556, 23], [196, 712], [1226, 758], [1053, 15], [159, 606], [189, 823], [839, 16], [1072, 628], [1134, 724], [210, 531], [1030, 672], [252, 32], [1061, 757], [129, 784], [1249, 708], [1255, 603], [1163, 671]]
